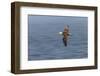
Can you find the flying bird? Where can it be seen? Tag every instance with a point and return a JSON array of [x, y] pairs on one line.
[[65, 35]]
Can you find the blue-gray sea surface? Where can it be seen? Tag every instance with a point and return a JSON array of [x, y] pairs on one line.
[[45, 42]]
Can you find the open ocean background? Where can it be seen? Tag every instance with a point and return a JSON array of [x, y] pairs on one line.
[[45, 42]]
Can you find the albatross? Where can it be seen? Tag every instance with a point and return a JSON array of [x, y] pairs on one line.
[[65, 35]]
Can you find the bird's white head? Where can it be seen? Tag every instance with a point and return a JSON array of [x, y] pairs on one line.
[[60, 33]]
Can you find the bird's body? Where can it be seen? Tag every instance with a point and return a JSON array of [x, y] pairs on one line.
[[65, 35]]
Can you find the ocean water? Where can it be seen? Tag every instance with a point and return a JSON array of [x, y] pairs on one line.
[[45, 42]]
